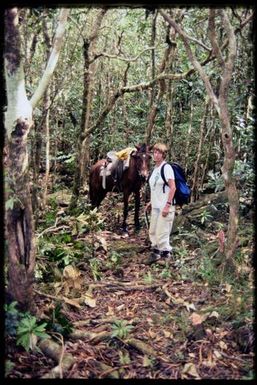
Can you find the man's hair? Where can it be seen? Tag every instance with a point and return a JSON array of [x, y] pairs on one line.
[[161, 147]]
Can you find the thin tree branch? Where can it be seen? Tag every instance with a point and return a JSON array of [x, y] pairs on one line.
[[198, 67], [199, 43], [228, 66], [212, 37], [122, 58], [54, 56]]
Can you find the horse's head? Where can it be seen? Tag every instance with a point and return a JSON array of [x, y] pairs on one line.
[[142, 158]]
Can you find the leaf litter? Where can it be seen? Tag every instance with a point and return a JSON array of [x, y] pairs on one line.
[[173, 327]]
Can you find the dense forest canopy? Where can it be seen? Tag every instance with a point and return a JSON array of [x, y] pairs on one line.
[[125, 40]]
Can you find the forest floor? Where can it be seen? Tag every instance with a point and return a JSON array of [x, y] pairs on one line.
[[183, 319]]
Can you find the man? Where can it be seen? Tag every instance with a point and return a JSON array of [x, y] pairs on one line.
[[162, 206]]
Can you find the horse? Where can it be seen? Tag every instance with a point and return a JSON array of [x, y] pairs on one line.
[[130, 182]]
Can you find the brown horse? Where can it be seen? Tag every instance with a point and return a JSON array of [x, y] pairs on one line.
[[131, 181]]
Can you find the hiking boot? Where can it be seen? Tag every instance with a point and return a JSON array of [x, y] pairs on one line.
[[153, 257], [166, 254], [166, 257]]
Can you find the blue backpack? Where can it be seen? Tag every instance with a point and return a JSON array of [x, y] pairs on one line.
[[183, 191]]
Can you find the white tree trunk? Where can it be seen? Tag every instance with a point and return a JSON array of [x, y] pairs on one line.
[[53, 59], [18, 121]]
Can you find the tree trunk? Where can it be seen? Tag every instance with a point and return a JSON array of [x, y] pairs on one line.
[[152, 116], [36, 144], [82, 159], [78, 171], [18, 121], [169, 128], [206, 165], [19, 221], [47, 144], [230, 185], [227, 140], [162, 88], [46, 113], [189, 131], [126, 121], [199, 153], [152, 43]]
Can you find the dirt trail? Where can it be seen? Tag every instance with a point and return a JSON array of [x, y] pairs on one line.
[[144, 322]]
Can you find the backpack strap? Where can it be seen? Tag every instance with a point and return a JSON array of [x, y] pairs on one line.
[[164, 180], [163, 177]]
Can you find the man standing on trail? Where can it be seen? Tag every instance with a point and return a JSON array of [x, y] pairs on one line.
[[161, 205]]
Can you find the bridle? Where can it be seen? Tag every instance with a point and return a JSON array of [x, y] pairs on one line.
[[142, 156]]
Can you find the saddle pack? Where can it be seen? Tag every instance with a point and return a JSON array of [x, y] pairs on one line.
[[116, 164]]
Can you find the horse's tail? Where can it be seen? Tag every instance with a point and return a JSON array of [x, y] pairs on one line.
[[96, 194]]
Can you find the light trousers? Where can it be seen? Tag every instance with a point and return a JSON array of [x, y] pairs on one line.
[[160, 229]]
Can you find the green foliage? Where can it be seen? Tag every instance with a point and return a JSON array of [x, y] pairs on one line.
[[165, 273], [114, 260], [63, 238], [67, 159], [55, 251], [190, 236], [121, 329], [182, 323], [62, 256], [29, 331], [91, 221], [9, 365], [9, 203], [148, 278], [124, 358], [244, 173], [23, 326], [249, 376], [182, 252], [58, 322], [11, 318], [244, 134], [95, 266], [149, 362], [129, 30], [208, 271], [237, 310], [59, 250], [13, 198], [215, 181], [50, 218], [82, 246], [205, 216], [53, 203]]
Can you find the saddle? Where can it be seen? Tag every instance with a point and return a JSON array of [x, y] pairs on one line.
[[116, 163]]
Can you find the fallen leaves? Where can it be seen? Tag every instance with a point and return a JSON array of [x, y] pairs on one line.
[[188, 370], [180, 332], [196, 318], [89, 300]]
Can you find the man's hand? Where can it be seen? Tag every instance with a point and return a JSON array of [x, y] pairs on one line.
[[165, 210]]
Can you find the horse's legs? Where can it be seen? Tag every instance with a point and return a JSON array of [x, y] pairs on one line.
[[137, 208], [125, 211]]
